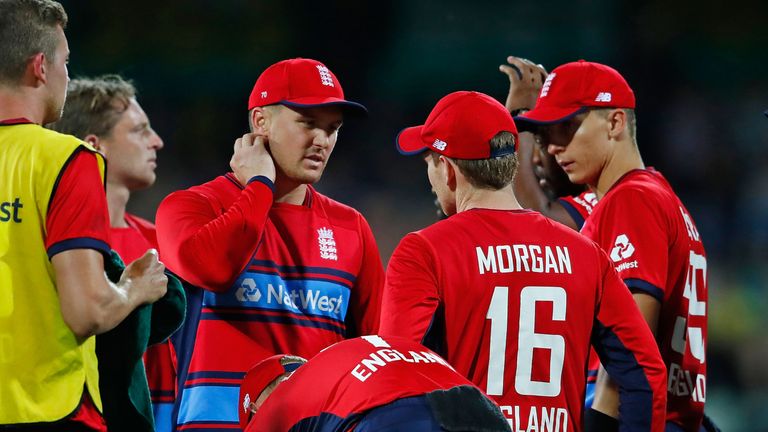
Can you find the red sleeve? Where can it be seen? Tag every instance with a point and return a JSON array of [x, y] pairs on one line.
[[208, 248], [410, 290], [634, 234], [628, 351], [365, 306], [78, 217]]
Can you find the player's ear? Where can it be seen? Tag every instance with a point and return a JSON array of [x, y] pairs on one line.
[[95, 142], [257, 120], [617, 120], [449, 172], [36, 68]]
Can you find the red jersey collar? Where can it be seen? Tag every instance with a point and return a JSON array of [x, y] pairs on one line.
[[15, 121]]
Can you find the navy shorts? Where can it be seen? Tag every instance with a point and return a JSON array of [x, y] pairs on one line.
[[406, 415]]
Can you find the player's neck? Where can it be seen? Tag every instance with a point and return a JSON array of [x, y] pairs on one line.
[[469, 197], [289, 192], [117, 200], [16, 103], [624, 159]]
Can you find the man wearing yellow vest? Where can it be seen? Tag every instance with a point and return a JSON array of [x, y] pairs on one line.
[[54, 236]]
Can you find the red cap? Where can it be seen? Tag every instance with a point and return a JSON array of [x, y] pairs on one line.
[[257, 379], [299, 83], [460, 126], [572, 87]]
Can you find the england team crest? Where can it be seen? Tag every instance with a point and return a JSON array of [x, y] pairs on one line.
[[327, 244]]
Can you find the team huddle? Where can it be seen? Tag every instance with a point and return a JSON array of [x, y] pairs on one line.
[[566, 289]]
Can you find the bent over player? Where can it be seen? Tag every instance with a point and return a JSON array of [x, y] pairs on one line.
[[281, 267], [509, 297], [365, 384], [585, 117]]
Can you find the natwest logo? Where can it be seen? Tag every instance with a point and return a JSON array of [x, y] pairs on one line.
[[278, 296], [248, 291], [622, 248]]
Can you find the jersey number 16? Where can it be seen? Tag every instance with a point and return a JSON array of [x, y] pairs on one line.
[[528, 340]]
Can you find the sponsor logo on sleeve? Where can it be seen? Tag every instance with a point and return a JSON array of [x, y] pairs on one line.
[[622, 248]]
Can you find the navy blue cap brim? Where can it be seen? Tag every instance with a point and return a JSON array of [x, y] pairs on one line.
[[525, 124], [408, 141], [349, 107]]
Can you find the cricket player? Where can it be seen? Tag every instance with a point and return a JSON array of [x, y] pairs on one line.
[[54, 237], [280, 267], [585, 117], [105, 113], [508, 297], [364, 384]]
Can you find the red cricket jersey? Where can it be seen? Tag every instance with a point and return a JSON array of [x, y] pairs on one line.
[[657, 250], [77, 215], [344, 381], [512, 299], [579, 207], [160, 359], [276, 278]]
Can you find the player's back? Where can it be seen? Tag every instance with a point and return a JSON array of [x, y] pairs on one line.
[[519, 294]]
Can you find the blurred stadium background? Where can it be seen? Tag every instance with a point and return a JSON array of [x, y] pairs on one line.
[[697, 68]]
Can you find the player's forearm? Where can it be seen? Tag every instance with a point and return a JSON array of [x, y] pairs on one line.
[[210, 250], [606, 395], [90, 303], [107, 307]]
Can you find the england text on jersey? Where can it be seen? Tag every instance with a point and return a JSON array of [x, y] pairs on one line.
[[537, 418], [529, 258]]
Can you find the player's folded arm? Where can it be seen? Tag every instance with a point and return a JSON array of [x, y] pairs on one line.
[[207, 248]]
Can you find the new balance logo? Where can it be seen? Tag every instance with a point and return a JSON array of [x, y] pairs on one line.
[[327, 244], [325, 76], [263, 95], [547, 84], [440, 144], [622, 248], [604, 97]]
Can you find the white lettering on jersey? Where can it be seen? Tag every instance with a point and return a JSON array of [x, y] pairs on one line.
[[680, 383], [523, 258], [622, 248], [379, 359], [588, 202], [538, 418], [693, 233]]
